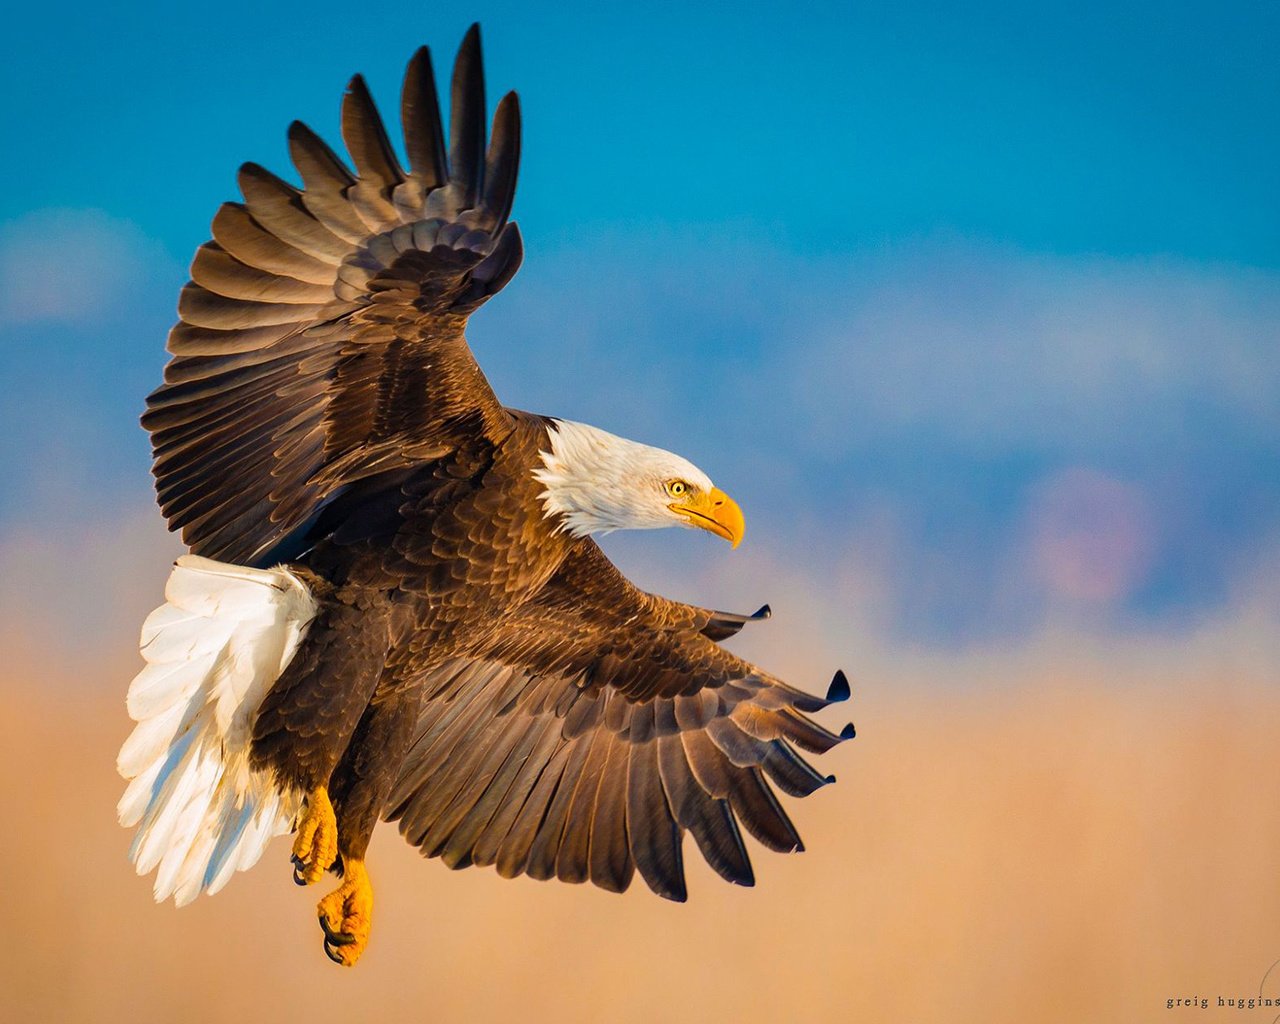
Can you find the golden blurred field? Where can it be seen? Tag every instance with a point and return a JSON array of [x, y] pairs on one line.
[[1076, 847]]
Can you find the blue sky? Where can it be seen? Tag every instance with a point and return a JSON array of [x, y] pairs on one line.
[[1093, 128], [975, 302]]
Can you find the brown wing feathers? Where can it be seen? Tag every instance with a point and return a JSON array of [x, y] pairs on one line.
[[311, 306], [466, 125], [596, 786], [423, 135]]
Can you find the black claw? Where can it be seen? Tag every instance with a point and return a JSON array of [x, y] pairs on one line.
[[830, 779], [839, 688], [297, 871], [848, 732], [763, 612], [331, 936], [332, 954]]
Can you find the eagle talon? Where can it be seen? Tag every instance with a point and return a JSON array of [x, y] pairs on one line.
[[335, 937], [300, 867], [315, 847], [346, 915]]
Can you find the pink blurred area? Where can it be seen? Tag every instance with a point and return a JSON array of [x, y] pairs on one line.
[[1091, 535], [1077, 827]]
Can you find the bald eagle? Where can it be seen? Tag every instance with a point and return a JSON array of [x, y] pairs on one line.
[[394, 606]]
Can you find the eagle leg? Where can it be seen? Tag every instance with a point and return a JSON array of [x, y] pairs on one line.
[[346, 915], [316, 844]]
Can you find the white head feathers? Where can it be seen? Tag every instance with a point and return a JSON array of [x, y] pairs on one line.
[[598, 482]]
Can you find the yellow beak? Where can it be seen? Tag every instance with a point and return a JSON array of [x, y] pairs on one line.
[[714, 511]]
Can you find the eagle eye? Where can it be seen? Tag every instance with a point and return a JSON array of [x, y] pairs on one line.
[[677, 488]]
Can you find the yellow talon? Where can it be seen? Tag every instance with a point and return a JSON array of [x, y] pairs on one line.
[[316, 845], [346, 915]]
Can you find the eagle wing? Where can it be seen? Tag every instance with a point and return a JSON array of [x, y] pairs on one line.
[[604, 724], [322, 332]]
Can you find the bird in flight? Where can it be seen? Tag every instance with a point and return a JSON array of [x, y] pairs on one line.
[[394, 606]]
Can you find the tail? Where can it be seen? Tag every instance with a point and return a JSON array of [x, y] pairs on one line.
[[213, 650]]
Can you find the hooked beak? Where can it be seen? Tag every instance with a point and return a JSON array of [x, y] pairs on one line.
[[714, 511]]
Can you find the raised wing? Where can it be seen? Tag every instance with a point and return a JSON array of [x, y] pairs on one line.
[[321, 337], [604, 725]]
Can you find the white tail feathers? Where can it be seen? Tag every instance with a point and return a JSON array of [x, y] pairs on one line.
[[213, 650]]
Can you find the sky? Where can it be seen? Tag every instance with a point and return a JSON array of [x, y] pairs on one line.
[[974, 307]]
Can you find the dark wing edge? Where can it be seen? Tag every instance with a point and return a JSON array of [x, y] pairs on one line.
[[314, 314], [595, 765]]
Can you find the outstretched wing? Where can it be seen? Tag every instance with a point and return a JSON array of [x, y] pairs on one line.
[[605, 724], [321, 337]]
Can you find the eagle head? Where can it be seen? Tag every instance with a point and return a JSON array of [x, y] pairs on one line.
[[597, 482]]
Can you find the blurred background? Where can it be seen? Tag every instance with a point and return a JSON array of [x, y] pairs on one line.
[[975, 308]]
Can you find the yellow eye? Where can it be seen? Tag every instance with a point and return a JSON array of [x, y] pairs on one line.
[[676, 488]]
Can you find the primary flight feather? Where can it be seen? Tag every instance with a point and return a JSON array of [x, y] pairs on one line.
[[394, 606]]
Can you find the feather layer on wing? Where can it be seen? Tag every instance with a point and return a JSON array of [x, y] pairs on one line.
[[323, 325], [602, 725]]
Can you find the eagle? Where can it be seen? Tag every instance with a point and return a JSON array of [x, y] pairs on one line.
[[394, 606]]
